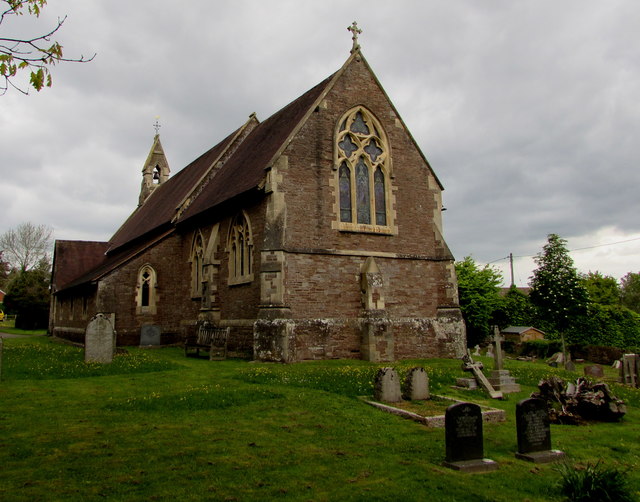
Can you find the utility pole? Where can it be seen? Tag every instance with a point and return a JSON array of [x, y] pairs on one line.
[[511, 265]]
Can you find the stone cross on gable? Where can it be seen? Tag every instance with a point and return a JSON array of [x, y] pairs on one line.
[[355, 31], [497, 355], [157, 125]]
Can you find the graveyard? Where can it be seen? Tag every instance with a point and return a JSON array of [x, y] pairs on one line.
[[156, 425]]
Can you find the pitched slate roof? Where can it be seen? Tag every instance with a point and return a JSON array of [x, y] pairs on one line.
[[71, 259]]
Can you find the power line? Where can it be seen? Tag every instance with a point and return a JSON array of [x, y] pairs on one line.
[[569, 250]]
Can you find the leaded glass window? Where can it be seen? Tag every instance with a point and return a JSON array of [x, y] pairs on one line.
[[362, 154]]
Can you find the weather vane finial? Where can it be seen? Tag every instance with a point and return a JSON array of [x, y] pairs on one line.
[[355, 31], [156, 125]]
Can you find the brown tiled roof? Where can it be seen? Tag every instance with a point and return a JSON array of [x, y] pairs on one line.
[[72, 259], [241, 172], [160, 207], [245, 169]]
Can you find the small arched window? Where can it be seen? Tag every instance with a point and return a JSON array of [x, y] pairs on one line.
[[240, 248], [146, 296], [363, 164], [197, 265]]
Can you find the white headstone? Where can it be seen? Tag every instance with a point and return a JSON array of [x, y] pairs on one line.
[[99, 340]]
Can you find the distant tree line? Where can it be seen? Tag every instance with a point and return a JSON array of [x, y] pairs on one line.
[[25, 274], [590, 308]]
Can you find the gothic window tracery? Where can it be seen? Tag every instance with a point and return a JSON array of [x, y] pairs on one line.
[[363, 165]]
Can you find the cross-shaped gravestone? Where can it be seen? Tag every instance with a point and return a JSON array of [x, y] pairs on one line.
[[355, 31], [497, 354]]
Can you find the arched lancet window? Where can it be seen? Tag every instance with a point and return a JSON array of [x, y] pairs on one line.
[[240, 247], [362, 158], [197, 265], [146, 296]]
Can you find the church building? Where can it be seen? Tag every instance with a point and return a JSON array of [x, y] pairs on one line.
[[314, 234]]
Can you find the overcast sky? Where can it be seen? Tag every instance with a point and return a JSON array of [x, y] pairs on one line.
[[528, 111]]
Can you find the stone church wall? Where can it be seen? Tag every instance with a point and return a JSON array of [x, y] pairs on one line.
[[175, 311]]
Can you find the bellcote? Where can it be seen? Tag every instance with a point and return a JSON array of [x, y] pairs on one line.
[[155, 171]]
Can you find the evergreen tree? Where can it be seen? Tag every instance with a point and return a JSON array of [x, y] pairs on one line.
[[28, 298], [479, 293], [556, 289]]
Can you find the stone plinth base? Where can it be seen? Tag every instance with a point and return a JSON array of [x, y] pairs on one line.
[[542, 457], [467, 383], [502, 381], [475, 465]]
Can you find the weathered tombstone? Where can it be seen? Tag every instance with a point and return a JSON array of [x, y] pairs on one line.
[[463, 439], [99, 340], [386, 386], [570, 365], [534, 432], [630, 369], [489, 351], [416, 385], [150, 335], [594, 370], [476, 351]]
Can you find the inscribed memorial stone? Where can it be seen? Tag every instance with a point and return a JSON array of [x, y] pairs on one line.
[[534, 432], [463, 439], [100, 340], [149, 335], [416, 385], [386, 386]]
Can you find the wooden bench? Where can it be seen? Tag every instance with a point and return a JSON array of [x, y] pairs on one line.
[[210, 339]]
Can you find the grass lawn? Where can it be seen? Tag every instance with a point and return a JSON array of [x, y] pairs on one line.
[[155, 425]]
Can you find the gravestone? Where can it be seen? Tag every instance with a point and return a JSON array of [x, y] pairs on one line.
[[594, 370], [150, 335], [630, 369], [416, 385], [501, 379], [476, 351], [534, 432], [463, 439], [386, 386], [99, 340], [490, 351]]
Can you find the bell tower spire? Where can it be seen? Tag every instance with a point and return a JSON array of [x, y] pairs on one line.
[[156, 168]]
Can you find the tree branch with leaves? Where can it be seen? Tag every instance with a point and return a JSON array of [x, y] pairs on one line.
[[35, 54]]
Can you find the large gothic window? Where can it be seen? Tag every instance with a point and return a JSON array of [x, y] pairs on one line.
[[363, 171], [146, 295], [240, 247]]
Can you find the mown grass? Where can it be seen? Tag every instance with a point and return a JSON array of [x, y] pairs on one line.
[[157, 426]]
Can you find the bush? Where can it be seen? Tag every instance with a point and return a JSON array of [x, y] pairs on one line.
[[594, 483], [540, 349]]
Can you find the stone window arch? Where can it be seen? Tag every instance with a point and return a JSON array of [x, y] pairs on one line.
[[146, 294], [240, 249], [197, 265], [362, 163]]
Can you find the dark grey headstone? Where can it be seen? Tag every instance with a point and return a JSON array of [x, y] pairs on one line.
[[534, 432], [150, 335], [463, 432], [532, 422], [386, 386], [463, 438], [594, 370]]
